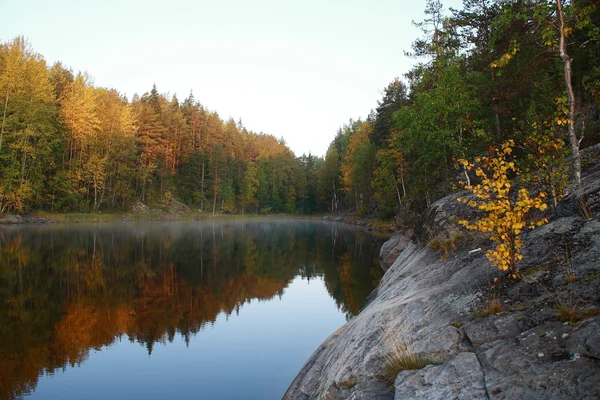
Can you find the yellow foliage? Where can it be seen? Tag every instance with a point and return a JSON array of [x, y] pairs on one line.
[[505, 59], [505, 216], [14, 200]]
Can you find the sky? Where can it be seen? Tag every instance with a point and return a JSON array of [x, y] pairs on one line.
[[294, 69]]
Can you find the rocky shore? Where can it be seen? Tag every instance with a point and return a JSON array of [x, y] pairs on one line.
[[477, 334], [24, 219], [369, 224]]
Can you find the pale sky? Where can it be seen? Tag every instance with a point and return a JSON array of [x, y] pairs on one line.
[[297, 70]]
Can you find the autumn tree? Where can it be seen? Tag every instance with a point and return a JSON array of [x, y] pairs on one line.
[[249, 188], [505, 209], [329, 179], [107, 152], [112, 166], [29, 135], [357, 168], [389, 180]]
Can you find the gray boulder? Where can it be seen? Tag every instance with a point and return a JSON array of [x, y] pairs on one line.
[[392, 248]]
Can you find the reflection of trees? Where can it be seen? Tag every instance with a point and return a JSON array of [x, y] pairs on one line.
[[64, 291], [347, 260]]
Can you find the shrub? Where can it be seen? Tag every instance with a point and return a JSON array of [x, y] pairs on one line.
[[505, 211]]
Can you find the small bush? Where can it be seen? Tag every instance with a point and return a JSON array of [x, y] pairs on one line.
[[506, 209]]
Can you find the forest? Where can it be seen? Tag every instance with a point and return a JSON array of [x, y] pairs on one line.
[[66, 145], [493, 71]]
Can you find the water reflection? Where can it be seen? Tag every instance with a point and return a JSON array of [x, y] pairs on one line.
[[69, 290]]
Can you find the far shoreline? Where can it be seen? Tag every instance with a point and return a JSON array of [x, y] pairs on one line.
[[43, 218]]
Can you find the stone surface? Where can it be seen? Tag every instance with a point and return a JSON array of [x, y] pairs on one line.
[[585, 340], [461, 378], [590, 181], [485, 330], [523, 352], [441, 219], [530, 369], [392, 248], [24, 219], [140, 207], [571, 206], [439, 345], [11, 219]]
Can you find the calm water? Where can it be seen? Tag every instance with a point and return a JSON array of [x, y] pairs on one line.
[[202, 310]]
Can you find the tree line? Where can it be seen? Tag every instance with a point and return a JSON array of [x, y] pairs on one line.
[[67, 145], [493, 71]]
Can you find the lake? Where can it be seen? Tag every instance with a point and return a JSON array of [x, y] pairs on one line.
[[187, 310]]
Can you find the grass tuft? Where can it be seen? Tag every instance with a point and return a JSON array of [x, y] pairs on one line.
[[446, 246], [495, 307], [566, 312], [400, 356]]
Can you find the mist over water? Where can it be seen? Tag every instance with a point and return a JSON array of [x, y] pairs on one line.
[[215, 310]]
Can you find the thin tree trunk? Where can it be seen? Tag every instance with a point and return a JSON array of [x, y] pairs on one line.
[[143, 190], [216, 182], [575, 142], [333, 200], [467, 176], [498, 128], [95, 197], [554, 197], [202, 189], [23, 167], [403, 185], [4, 118], [53, 197], [397, 189], [495, 109]]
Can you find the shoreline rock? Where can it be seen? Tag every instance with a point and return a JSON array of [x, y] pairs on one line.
[[24, 219], [542, 341], [365, 223]]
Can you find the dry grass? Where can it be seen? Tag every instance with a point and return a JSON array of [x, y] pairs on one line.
[[382, 224], [567, 263], [494, 307], [446, 246], [567, 312], [400, 356]]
